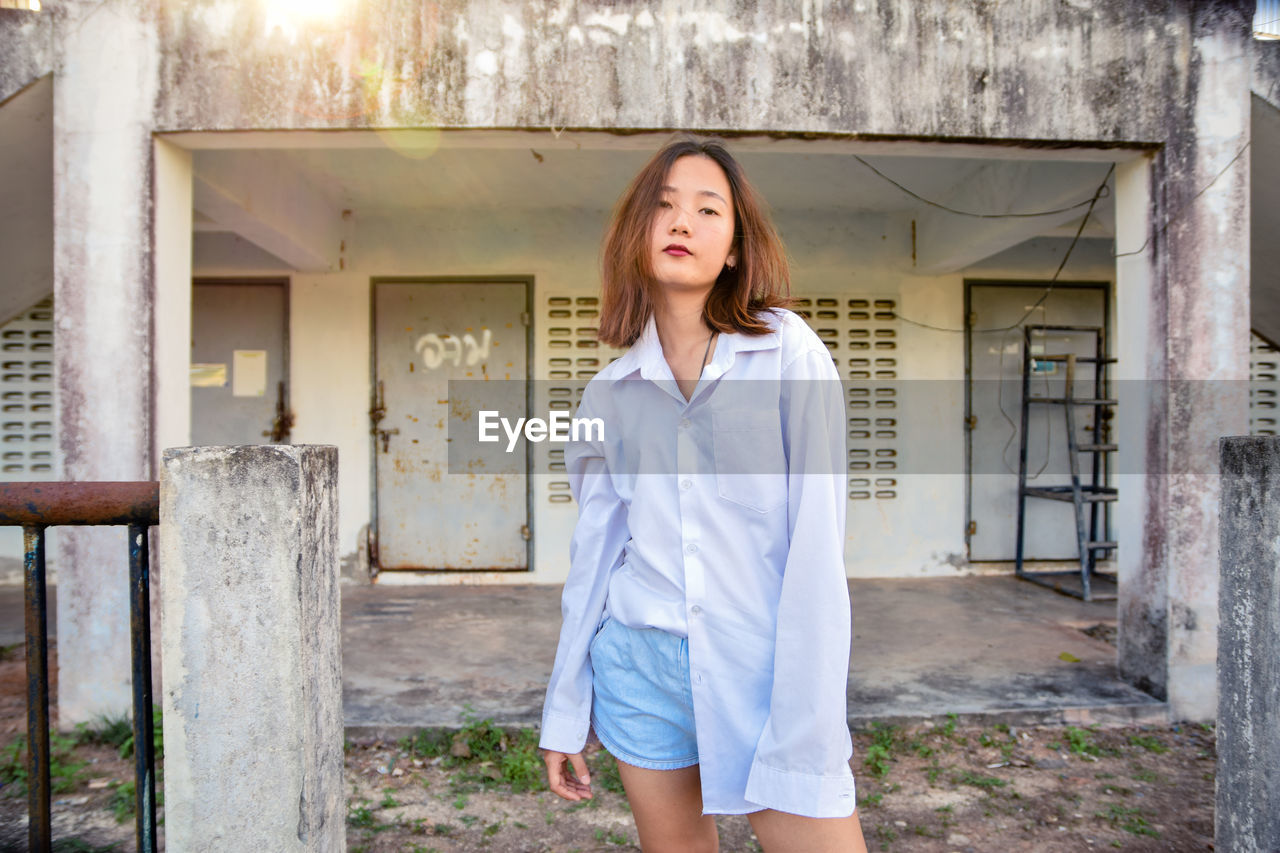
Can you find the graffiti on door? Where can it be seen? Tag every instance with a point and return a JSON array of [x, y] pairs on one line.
[[438, 349]]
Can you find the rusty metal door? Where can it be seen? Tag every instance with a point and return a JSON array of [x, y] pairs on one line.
[[995, 399], [239, 362], [429, 515]]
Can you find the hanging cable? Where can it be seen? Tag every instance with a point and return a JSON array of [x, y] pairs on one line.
[[1178, 213], [932, 203], [1098, 194]]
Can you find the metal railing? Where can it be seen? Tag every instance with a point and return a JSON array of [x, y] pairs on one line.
[[36, 506]]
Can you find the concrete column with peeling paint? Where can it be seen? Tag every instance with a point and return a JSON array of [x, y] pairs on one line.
[[1195, 365], [1247, 817], [103, 99], [251, 649]]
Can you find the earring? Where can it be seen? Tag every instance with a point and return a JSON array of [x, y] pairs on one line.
[[731, 263]]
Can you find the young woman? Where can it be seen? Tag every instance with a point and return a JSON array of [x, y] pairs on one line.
[[706, 612]]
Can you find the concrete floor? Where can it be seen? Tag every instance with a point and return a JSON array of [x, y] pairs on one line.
[[986, 647], [979, 646]]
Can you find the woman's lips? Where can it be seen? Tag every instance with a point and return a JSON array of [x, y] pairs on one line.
[[676, 250]]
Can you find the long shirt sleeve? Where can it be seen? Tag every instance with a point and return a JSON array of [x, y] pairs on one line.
[[594, 552], [801, 761]]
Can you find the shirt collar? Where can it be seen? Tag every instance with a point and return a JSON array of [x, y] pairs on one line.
[[646, 356]]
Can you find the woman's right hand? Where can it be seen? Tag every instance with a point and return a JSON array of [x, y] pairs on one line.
[[561, 781]]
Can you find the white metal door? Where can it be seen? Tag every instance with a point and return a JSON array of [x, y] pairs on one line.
[[995, 389], [431, 515]]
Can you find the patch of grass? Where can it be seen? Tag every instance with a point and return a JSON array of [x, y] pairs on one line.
[[443, 829], [388, 801], [947, 809], [932, 772], [978, 780], [460, 802], [1131, 820], [1080, 741], [949, 728], [117, 732], [124, 801], [604, 771], [360, 815], [877, 760], [427, 743], [1150, 743], [884, 739], [468, 820], [872, 799], [66, 773], [1141, 775]]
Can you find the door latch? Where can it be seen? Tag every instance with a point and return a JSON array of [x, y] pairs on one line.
[[377, 412], [385, 435]]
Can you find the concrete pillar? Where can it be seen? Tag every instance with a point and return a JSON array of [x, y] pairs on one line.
[[103, 97], [1247, 817], [1195, 368], [251, 649]]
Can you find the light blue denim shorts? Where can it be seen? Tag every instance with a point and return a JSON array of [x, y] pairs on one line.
[[642, 707]]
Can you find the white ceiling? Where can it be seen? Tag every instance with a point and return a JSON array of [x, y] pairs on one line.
[[380, 180]]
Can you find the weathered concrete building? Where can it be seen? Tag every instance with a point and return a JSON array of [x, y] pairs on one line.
[[242, 204]]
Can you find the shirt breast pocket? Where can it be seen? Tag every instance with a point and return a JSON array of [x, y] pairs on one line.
[[749, 461]]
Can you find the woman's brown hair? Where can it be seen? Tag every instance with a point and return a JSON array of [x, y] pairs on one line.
[[760, 279]]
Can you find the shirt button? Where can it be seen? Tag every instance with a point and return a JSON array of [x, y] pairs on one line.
[[686, 484], [697, 678], [684, 423], [695, 610], [691, 548]]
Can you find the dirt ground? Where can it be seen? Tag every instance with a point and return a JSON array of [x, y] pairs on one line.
[[932, 787]]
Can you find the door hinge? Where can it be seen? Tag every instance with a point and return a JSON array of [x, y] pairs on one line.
[[973, 319], [973, 528], [525, 533], [525, 320], [971, 422]]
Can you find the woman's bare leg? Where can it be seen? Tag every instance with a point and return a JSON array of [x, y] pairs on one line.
[[780, 832], [667, 805]]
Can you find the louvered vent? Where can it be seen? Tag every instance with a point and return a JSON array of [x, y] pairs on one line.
[[29, 443], [862, 334], [1264, 387], [574, 356]]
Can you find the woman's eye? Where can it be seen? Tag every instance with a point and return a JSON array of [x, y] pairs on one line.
[[664, 203], [711, 210]]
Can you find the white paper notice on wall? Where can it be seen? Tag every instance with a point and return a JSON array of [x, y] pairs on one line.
[[208, 375], [248, 373]]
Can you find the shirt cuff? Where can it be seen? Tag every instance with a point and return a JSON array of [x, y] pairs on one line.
[[803, 794], [563, 734]]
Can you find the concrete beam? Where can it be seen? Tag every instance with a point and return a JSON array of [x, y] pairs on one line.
[[947, 242], [251, 649], [272, 204], [1247, 817]]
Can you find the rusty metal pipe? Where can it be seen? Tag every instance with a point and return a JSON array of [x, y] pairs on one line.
[[79, 503], [39, 818]]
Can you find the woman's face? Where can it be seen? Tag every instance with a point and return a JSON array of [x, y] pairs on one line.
[[691, 239]]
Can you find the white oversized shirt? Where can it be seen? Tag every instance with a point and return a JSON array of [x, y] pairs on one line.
[[722, 519]]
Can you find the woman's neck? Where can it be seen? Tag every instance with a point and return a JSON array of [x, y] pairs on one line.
[[680, 324]]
